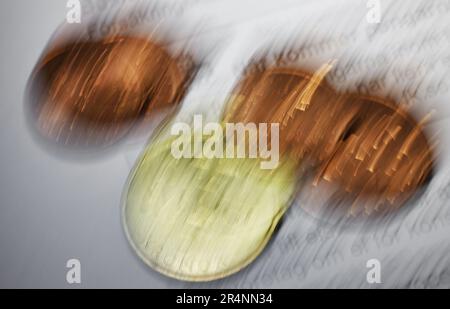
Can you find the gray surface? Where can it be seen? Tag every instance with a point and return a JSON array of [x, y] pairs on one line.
[[54, 209]]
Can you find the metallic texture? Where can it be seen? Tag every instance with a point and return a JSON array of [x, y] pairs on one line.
[[369, 153], [382, 160], [91, 92], [307, 132], [202, 219]]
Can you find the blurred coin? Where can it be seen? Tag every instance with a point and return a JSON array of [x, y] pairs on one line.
[[369, 155], [202, 219], [304, 105], [91, 92], [382, 161]]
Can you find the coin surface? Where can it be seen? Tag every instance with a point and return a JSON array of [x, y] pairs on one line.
[[202, 219], [92, 92], [301, 102], [369, 155], [381, 162]]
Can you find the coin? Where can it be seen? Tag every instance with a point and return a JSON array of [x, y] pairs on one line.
[[199, 219], [92, 92], [383, 160], [304, 105]]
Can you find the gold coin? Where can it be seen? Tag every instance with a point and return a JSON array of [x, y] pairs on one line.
[[201, 219]]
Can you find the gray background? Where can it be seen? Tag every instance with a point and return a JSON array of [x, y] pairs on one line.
[[53, 209]]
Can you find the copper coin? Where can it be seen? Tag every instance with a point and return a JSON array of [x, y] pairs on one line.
[[92, 92], [369, 155], [307, 122], [383, 159]]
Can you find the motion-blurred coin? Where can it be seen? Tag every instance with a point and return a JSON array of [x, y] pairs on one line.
[[202, 219], [384, 159], [306, 108], [370, 156], [91, 92]]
